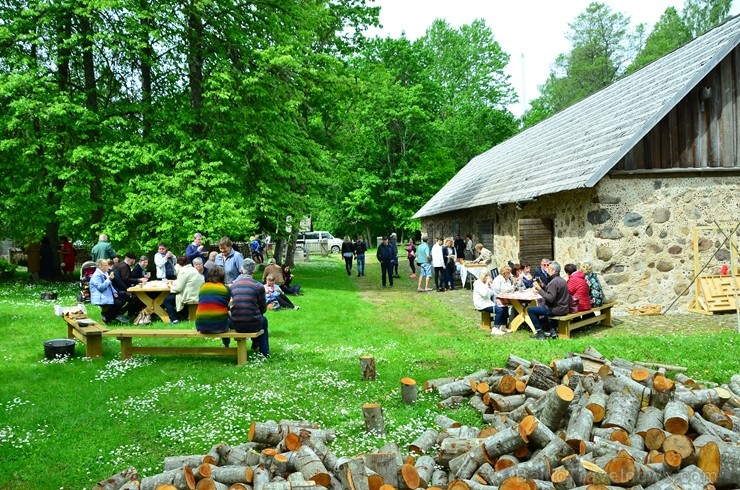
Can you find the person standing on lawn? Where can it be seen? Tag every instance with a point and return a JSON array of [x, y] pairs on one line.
[[438, 262], [196, 249], [394, 247], [67, 252], [557, 302], [229, 259], [348, 252], [185, 290], [360, 249], [385, 256], [424, 259], [104, 250], [411, 256], [249, 306], [104, 294]]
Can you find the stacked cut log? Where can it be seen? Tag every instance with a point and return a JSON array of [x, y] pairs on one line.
[[581, 422]]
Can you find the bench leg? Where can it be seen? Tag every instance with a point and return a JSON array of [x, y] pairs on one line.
[[607, 312], [485, 321], [241, 352], [94, 346], [564, 329], [126, 347]]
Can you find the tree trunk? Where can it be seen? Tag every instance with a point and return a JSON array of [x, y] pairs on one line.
[[423, 444], [195, 46], [408, 391], [622, 409], [367, 365], [373, 414], [308, 463], [676, 417]]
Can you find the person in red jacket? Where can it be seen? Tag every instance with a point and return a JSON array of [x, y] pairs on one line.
[[578, 287]]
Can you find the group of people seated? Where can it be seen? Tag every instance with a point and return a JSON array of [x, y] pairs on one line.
[[198, 277], [581, 291]]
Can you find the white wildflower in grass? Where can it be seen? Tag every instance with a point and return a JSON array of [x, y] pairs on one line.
[[16, 403], [117, 369], [58, 359], [18, 439]]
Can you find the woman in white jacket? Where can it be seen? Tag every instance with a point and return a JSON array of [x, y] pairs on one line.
[[483, 299], [503, 283]]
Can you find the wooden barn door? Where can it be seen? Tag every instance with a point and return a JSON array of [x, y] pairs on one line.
[[536, 240]]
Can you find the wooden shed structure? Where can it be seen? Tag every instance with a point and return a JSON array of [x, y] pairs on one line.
[[619, 179]]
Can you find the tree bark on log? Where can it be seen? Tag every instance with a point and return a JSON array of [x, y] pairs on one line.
[[265, 432], [626, 472], [394, 448], [690, 477], [373, 415], [597, 405], [408, 391], [425, 468], [434, 384], [532, 392], [562, 480], [445, 422], [721, 465], [408, 477], [367, 365], [130, 475], [702, 426], [308, 463], [661, 392], [579, 427], [210, 484], [506, 403], [453, 447], [456, 388], [604, 447], [615, 383], [506, 461], [238, 456], [424, 442], [260, 478], [562, 366], [697, 398], [654, 438], [554, 406], [439, 479], [477, 403], [174, 477], [713, 414], [575, 469], [541, 376], [622, 409], [385, 465], [352, 474], [535, 469], [450, 402], [513, 362], [648, 418], [229, 474], [676, 417]]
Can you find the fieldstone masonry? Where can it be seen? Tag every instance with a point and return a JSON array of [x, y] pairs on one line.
[[637, 232]]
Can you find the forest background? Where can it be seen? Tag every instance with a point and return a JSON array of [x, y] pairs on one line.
[[152, 120]]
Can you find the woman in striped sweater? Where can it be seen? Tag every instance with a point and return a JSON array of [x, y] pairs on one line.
[[212, 315]]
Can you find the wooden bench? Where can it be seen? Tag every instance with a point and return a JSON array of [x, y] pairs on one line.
[[126, 336], [601, 315], [87, 331]]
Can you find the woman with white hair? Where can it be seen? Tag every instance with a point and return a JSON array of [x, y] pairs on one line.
[[595, 288], [483, 299]]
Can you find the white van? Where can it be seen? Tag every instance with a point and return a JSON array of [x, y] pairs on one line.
[[318, 242]]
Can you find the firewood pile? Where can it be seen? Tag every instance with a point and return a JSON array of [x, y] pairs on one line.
[[580, 422]]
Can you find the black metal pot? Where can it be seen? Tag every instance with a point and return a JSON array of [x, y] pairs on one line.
[[59, 348]]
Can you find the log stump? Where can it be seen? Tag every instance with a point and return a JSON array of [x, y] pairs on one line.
[[373, 414], [408, 391], [367, 365]]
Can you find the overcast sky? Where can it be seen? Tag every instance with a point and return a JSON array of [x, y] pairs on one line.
[[531, 31]]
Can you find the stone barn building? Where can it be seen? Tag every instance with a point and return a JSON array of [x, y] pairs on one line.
[[621, 179]]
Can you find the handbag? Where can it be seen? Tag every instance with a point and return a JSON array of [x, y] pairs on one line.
[[573, 305], [143, 318]]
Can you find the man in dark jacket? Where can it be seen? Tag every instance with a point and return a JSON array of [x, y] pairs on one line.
[[557, 302], [542, 273], [386, 254]]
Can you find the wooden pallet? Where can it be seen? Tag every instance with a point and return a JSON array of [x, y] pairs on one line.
[[714, 294]]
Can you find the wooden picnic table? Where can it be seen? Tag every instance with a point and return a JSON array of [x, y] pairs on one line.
[[521, 301], [153, 302]]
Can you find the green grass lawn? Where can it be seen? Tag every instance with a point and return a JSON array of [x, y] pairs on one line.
[[69, 424]]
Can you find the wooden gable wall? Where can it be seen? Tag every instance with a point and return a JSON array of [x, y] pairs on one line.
[[701, 132]]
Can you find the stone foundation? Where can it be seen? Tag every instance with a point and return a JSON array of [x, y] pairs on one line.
[[637, 232]]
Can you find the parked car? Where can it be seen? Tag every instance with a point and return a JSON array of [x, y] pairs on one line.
[[312, 241]]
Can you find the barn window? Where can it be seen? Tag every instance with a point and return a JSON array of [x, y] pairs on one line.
[[485, 234], [536, 240]]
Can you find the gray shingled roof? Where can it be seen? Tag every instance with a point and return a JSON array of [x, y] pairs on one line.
[[578, 146]]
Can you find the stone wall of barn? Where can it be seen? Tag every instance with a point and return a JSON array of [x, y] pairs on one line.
[[636, 231]]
